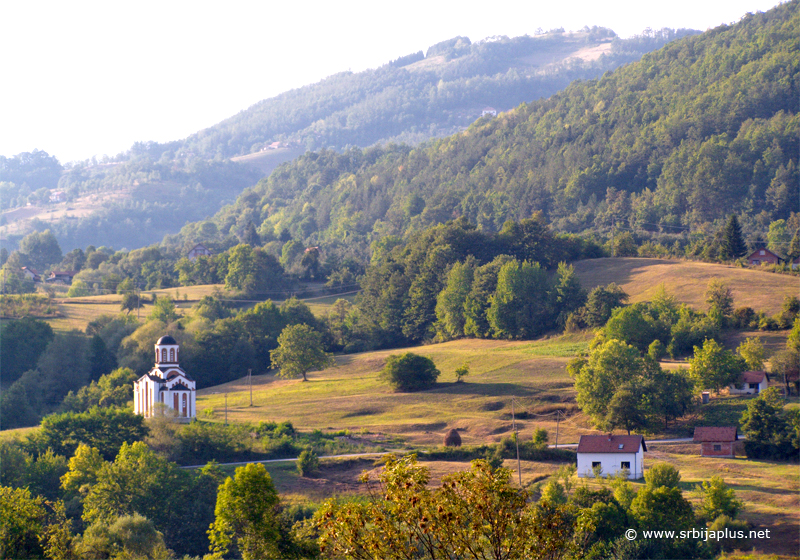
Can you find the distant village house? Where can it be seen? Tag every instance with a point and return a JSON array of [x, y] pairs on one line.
[[199, 250], [31, 274], [763, 256], [611, 454], [751, 382], [491, 111], [61, 277], [716, 441]]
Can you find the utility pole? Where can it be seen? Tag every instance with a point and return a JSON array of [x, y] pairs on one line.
[[558, 419], [250, 379], [226, 408], [516, 440]]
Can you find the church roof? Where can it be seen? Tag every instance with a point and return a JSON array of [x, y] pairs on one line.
[[166, 339], [179, 387]]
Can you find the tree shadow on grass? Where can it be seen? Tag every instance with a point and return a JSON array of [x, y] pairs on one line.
[[486, 389]]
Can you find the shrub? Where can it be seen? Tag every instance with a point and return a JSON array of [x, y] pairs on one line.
[[743, 318], [452, 438], [410, 372], [307, 462]]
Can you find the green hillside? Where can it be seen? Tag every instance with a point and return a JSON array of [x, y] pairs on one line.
[[420, 96], [706, 126]]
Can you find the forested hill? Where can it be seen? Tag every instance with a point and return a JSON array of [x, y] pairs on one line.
[[420, 96], [706, 126]]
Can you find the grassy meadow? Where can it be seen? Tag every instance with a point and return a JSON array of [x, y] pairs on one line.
[[352, 396], [687, 281]]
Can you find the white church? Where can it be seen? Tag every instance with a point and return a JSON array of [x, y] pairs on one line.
[[166, 383]]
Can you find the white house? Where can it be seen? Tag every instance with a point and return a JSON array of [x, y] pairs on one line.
[[166, 383], [752, 382], [491, 111], [612, 454]]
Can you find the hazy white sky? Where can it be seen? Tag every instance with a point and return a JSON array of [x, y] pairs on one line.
[[86, 78]]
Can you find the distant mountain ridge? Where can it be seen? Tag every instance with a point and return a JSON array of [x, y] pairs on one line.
[[417, 97]]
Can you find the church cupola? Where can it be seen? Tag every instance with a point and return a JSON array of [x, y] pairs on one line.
[[166, 350]]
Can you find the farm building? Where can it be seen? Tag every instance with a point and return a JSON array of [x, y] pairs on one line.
[[611, 454], [716, 441]]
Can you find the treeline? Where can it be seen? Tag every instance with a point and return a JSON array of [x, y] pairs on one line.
[[664, 146]]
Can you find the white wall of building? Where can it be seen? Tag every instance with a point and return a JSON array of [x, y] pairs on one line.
[[611, 463]]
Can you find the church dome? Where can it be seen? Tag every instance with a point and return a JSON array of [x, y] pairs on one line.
[[166, 339]]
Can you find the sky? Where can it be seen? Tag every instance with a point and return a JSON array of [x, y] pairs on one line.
[[83, 79]]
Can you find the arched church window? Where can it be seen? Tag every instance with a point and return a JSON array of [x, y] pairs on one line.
[[163, 354], [171, 354], [184, 405]]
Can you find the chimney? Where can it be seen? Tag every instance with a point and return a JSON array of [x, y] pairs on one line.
[[609, 436]]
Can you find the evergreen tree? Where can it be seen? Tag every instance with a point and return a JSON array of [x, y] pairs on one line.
[[733, 245]]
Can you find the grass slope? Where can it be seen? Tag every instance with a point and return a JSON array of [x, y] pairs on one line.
[[352, 396], [688, 280]]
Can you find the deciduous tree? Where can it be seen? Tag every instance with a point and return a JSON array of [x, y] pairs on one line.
[[299, 351], [246, 516]]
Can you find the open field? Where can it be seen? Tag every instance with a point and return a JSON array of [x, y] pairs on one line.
[[351, 395], [19, 219], [78, 312], [687, 281], [268, 160]]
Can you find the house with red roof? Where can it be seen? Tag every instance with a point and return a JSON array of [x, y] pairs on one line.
[[611, 454], [716, 441], [750, 383]]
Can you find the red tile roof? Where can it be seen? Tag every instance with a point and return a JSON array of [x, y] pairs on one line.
[[753, 376], [611, 444], [716, 433]]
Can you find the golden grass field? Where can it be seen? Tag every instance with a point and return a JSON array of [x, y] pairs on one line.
[[687, 281], [352, 396]]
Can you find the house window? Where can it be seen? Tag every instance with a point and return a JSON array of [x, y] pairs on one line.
[[762, 252], [717, 447], [596, 464], [625, 465]]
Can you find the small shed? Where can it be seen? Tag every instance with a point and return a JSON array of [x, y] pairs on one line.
[[752, 382], [716, 441], [612, 454]]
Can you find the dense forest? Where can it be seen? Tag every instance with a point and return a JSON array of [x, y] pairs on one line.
[[674, 143]]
